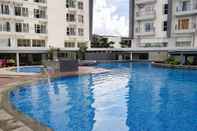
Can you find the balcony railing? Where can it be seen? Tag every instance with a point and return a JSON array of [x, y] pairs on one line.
[[191, 28], [144, 1], [187, 10], [140, 32], [145, 13]]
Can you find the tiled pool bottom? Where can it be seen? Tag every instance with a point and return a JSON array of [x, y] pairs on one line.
[[132, 97]]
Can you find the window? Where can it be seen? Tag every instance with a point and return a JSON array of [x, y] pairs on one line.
[[38, 43], [80, 19], [22, 27], [80, 5], [5, 42], [4, 26], [40, 1], [4, 9], [186, 5], [148, 27], [70, 17], [23, 43], [183, 44], [81, 32], [70, 3], [71, 31], [165, 26], [69, 44], [166, 9], [40, 28], [18, 27], [183, 24], [21, 11], [40, 13]]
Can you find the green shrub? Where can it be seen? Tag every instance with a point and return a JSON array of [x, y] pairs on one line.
[[172, 61], [190, 61]]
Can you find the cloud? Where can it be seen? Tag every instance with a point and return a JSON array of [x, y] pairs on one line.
[[111, 17]]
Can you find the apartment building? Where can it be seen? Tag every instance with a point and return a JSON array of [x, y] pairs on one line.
[[68, 23], [23, 24], [150, 23], [30, 28], [184, 23], [163, 26]]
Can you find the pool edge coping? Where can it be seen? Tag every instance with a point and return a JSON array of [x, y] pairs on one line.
[[18, 115], [163, 65], [32, 123]]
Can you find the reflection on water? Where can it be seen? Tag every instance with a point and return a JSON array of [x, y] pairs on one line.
[[132, 97]]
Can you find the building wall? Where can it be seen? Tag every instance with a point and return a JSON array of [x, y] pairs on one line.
[[158, 36], [56, 24], [150, 12], [12, 36], [55, 21], [184, 38], [77, 39]]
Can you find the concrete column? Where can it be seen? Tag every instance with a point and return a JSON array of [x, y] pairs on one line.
[[55, 55], [131, 56], [30, 58], [120, 57], [195, 39], [44, 57], [17, 60], [183, 59]]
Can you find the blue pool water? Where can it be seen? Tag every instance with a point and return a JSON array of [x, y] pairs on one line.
[[30, 69], [132, 97]]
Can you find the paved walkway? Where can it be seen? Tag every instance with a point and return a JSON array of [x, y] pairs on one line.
[[9, 123]]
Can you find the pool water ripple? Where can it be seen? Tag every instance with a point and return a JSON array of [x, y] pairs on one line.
[[132, 97]]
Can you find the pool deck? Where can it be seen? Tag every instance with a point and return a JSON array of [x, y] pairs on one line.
[[164, 65], [12, 120]]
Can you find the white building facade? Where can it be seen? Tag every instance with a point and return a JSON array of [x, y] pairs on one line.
[[184, 23], [29, 27], [165, 23], [34, 26], [150, 21], [163, 26], [23, 24], [68, 23]]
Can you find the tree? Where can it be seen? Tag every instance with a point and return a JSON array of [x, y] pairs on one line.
[[101, 42], [124, 44], [82, 51], [52, 51]]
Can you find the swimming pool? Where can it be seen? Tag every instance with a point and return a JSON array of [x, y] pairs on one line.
[[29, 69], [132, 97]]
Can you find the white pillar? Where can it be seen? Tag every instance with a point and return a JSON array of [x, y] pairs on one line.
[[55, 56], [183, 59], [131, 56], [44, 57], [17, 60], [120, 57]]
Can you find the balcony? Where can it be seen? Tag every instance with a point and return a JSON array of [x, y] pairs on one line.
[[144, 1], [140, 32], [187, 10], [142, 15]]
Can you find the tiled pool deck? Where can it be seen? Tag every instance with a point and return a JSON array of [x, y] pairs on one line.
[[10, 119]]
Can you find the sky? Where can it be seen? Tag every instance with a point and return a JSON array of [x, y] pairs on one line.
[[111, 17]]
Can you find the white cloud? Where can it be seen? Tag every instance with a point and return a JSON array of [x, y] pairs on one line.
[[107, 20]]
